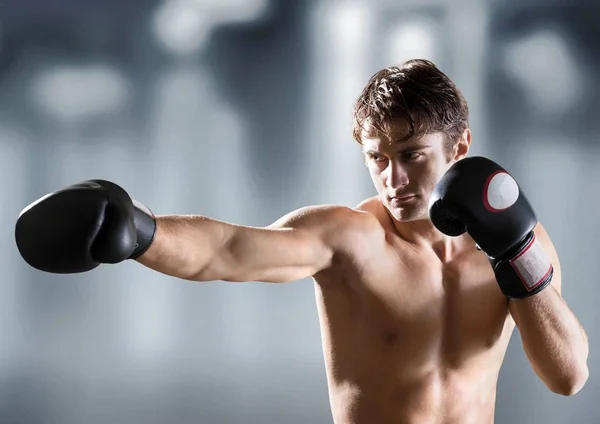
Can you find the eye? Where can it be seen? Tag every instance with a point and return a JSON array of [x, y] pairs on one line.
[[376, 158], [411, 155]]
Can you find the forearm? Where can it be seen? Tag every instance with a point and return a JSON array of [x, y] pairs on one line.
[[184, 245], [553, 339]]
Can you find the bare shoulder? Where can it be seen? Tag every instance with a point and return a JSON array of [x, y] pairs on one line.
[[335, 223], [544, 239], [371, 205], [541, 233], [326, 216]]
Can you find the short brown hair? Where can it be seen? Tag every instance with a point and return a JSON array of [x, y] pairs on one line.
[[416, 92]]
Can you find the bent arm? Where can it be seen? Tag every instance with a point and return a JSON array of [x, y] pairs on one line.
[[198, 248], [553, 339]]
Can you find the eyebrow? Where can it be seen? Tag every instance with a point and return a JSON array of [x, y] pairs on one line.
[[417, 141], [405, 149]]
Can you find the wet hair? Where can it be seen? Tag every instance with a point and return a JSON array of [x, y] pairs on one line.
[[416, 93]]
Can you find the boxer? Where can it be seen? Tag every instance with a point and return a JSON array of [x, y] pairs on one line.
[[418, 288]]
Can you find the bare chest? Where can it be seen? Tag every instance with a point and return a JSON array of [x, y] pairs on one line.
[[418, 284], [450, 304], [409, 305]]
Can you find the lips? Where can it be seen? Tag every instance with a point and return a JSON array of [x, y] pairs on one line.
[[403, 197]]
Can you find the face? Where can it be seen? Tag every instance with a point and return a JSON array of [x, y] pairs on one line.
[[405, 172]]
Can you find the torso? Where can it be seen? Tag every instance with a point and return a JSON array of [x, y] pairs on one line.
[[409, 337]]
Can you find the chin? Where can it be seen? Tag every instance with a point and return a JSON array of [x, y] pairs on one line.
[[406, 213]]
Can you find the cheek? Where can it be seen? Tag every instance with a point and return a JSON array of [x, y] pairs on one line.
[[375, 172], [376, 177], [435, 176], [427, 174], [418, 171]]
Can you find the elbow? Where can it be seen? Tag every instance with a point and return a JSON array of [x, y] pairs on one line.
[[205, 274], [216, 271], [571, 383]]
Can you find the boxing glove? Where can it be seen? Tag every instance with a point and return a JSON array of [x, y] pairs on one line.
[[81, 226], [478, 196]]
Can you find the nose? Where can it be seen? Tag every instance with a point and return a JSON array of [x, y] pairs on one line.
[[396, 176]]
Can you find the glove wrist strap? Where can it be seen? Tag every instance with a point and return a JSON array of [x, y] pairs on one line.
[[145, 223], [525, 273]]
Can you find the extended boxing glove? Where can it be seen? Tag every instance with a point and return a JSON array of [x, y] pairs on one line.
[[478, 196], [83, 225]]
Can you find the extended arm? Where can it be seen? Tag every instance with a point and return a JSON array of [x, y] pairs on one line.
[[95, 222], [202, 249]]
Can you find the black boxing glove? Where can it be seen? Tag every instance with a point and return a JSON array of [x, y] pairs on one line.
[[478, 196], [83, 225]]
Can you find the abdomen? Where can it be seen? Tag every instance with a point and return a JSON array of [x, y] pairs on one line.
[[438, 397]]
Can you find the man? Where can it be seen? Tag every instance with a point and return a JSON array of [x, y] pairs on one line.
[[418, 288]]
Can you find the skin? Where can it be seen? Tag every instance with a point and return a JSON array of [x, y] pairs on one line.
[[414, 326]]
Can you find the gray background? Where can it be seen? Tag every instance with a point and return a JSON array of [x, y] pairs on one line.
[[240, 110]]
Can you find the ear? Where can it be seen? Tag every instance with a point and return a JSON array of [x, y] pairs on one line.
[[461, 148]]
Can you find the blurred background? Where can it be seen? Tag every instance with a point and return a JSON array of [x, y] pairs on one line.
[[241, 110]]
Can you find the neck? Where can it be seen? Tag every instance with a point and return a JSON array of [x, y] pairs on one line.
[[422, 232]]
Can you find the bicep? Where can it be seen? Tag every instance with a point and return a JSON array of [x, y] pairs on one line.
[[293, 248], [275, 254]]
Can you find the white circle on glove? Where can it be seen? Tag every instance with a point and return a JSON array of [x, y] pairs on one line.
[[500, 192]]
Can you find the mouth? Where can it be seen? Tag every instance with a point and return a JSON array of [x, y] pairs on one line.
[[398, 200]]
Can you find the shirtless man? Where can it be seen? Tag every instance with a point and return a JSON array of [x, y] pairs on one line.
[[415, 313]]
